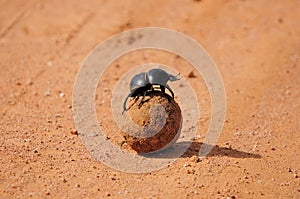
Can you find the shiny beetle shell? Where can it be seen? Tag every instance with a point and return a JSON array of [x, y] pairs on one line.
[[143, 82]]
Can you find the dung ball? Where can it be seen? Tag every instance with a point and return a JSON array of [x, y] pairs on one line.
[[158, 117]]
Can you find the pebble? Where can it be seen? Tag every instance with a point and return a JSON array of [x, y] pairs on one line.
[[195, 159], [187, 165], [61, 94], [74, 132], [284, 184], [50, 63], [273, 148], [47, 93], [192, 75], [191, 171], [196, 137], [254, 147], [295, 175], [29, 82]]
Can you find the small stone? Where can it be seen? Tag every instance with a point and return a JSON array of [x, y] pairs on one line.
[[113, 178], [187, 165], [254, 147], [284, 184], [61, 94], [49, 63], [295, 175], [14, 186], [74, 132], [29, 82], [195, 159], [192, 75], [57, 115], [273, 148], [260, 181], [190, 171], [47, 93], [196, 137]]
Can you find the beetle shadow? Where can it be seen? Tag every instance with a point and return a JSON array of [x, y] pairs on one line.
[[192, 149]]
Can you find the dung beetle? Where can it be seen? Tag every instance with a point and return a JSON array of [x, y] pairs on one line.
[[143, 82]]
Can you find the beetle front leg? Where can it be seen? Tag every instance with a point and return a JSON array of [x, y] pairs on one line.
[[142, 101], [124, 103], [168, 87]]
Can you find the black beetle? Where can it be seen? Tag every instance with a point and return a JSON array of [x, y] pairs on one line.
[[143, 82]]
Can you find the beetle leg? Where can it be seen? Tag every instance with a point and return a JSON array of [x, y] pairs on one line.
[[142, 101], [124, 104], [162, 88], [168, 87]]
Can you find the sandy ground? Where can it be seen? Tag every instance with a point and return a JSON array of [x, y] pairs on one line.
[[256, 45]]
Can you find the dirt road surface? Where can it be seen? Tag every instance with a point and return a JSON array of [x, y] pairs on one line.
[[256, 46]]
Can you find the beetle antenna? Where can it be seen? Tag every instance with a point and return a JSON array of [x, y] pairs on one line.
[[173, 78]]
